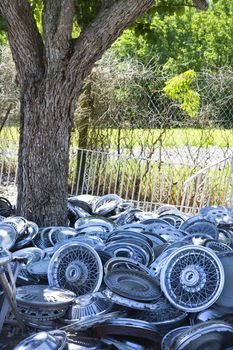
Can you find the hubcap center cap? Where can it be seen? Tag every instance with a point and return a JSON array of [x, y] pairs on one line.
[[73, 272], [191, 278]]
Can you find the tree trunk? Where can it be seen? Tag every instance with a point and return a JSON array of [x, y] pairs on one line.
[[50, 70], [46, 114]]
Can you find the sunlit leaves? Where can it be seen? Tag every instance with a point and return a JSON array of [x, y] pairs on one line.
[[37, 7], [179, 89], [193, 40]]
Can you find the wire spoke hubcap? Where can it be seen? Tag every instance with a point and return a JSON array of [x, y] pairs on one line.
[[192, 278], [76, 267]]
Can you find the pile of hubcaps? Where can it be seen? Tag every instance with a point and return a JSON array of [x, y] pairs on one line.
[[121, 278]]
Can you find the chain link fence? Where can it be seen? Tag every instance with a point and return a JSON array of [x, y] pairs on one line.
[[124, 111]]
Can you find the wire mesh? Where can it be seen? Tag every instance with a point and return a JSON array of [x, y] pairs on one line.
[[129, 138]]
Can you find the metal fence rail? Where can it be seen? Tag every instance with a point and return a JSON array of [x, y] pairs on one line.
[[212, 185], [144, 181], [8, 171], [8, 165]]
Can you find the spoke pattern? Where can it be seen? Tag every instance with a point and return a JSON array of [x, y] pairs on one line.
[[193, 278], [84, 261]]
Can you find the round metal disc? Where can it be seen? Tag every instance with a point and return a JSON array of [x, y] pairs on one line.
[[203, 227], [129, 250], [129, 216], [192, 278], [31, 254], [94, 221], [92, 240], [130, 327], [8, 235], [27, 235], [77, 267], [165, 314], [5, 207], [55, 340], [60, 234], [124, 263], [106, 204], [128, 303], [40, 314], [5, 257], [218, 214], [18, 222], [127, 233], [192, 220], [211, 335], [217, 246], [170, 336], [25, 278], [170, 233], [225, 235], [134, 285], [89, 305], [40, 295], [226, 297], [174, 218], [147, 248], [152, 225], [39, 268]]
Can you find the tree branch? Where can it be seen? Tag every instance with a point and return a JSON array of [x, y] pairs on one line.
[[24, 38], [65, 24], [51, 12], [57, 26], [201, 4], [100, 34]]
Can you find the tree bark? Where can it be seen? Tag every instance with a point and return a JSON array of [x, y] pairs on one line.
[[46, 120]]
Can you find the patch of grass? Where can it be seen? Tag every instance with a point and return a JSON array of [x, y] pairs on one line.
[[174, 137], [9, 135], [166, 138]]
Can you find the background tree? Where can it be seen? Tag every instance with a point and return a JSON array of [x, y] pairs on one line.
[[182, 40], [54, 44]]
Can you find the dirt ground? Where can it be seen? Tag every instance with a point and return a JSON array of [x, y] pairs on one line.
[[10, 193]]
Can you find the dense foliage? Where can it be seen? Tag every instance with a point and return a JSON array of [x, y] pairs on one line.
[[182, 40]]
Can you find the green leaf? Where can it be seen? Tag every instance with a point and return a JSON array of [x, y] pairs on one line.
[[178, 89]]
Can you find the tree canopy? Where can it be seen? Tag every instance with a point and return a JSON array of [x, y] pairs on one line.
[[184, 39]]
